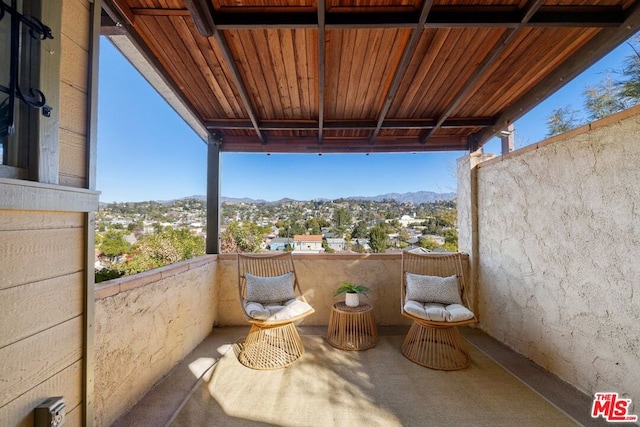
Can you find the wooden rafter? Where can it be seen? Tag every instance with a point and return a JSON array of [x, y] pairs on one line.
[[202, 13], [321, 68], [402, 67], [584, 58], [506, 39]]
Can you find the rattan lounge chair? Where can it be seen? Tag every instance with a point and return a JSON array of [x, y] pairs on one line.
[[435, 297], [271, 301]]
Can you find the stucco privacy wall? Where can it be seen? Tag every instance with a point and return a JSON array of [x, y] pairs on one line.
[[144, 325], [319, 276], [558, 229]]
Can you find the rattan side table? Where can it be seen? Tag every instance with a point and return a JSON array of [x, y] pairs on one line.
[[352, 328]]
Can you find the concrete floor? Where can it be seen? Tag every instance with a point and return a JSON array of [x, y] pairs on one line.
[[162, 404]]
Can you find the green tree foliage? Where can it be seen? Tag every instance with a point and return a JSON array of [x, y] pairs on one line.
[[451, 240], [378, 239], [428, 244], [447, 218], [630, 84], [105, 274], [603, 99], [112, 243], [289, 228], [341, 218], [313, 226], [360, 231], [165, 247], [241, 237], [562, 120]]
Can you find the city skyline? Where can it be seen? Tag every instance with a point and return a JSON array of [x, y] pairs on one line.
[[147, 152]]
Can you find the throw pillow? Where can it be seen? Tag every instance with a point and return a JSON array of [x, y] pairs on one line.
[[266, 290], [443, 290]]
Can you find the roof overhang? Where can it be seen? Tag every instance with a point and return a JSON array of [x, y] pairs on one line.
[[383, 76]]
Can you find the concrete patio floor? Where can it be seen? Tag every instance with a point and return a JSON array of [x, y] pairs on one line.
[[162, 405]]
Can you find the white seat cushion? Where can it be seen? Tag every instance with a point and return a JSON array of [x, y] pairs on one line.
[[438, 312], [276, 311]]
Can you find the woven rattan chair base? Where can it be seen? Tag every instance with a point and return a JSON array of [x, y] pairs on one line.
[[271, 347], [435, 347]]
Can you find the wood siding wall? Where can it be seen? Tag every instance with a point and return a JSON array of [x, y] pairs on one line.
[[43, 255], [41, 300], [74, 86]]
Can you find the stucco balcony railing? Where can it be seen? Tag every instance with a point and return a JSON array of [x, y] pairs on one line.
[[153, 329]]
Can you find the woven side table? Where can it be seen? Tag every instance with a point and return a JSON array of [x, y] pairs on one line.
[[352, 328]]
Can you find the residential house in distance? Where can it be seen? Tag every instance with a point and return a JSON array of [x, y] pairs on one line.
[[280, 243], [337, 244], [307, 243]]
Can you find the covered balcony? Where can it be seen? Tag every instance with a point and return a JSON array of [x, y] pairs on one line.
[[558, 314], [550, 231]]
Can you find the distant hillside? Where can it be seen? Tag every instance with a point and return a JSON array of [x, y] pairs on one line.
[[416, 198]]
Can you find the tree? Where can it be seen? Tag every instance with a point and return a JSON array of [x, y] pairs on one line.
[[341, 218], [313, 226], [630, 85], [428, 244], [240, 237], [603, 99], [562, 120], [113, 244], [451, 240], [378, 239], [360, 231], [447, 218], [165, 247]]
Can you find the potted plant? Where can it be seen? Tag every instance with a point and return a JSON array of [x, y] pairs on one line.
[[351, 293]]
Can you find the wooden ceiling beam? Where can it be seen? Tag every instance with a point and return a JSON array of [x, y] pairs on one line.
[[603, 43], [407, 54], [340, 145], [321, 68], [389, 124], [202, 13], [439, 17], [506, 39]]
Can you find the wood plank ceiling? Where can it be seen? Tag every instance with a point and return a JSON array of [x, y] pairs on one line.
[[367, 75]]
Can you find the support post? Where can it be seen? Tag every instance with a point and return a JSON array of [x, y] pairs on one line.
[[507, 140], [213, 194], [89, 217]]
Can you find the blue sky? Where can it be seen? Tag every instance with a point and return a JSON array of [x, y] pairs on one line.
[[147, 152]]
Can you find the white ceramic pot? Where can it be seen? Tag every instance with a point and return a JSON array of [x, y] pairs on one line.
[[352, 299]]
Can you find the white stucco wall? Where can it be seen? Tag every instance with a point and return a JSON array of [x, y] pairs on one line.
[[558, 246]]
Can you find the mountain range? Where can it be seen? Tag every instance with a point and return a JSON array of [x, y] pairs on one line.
[[416, 198]]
